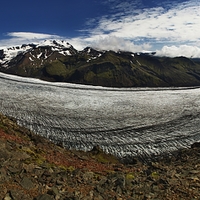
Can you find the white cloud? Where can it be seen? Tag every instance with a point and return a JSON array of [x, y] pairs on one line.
[[117, 43], [182, 50], [19, 38], [79, 43], [177, 24], [30, 35], [107, 42], [128, 27]]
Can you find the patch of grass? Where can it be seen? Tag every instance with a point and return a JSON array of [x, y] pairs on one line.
[[130, 176], [89, 76], [155, 175], [107, 75], [70, 168], [56, 68], [34, 157]]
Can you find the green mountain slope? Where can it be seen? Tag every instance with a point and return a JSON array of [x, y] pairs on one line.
[[106, 68]]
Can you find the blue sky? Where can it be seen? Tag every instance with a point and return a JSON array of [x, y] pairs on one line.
[[170, 27]]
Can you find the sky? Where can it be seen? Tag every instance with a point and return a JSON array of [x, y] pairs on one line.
[[169, 27]]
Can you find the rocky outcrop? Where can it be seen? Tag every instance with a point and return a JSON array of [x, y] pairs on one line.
[[195, 145]]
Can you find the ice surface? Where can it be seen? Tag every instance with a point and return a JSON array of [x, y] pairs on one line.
[[135, 121]]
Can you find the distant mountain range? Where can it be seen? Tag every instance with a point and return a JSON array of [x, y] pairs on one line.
[[55, 60]]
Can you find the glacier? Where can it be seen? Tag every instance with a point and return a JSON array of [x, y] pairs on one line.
[[125, 122]]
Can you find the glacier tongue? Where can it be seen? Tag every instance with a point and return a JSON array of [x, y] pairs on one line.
[[124, 122]]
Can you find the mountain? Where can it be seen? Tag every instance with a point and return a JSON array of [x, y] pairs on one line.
[[55, 60]]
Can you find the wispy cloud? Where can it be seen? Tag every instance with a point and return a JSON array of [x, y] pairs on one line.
[[30, 35], [182, 50], [18, 38], [102, 42], [170, 28], [117, 43], [176, 24]]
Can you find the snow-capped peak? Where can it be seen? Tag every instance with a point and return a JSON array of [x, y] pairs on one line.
[[60, 44], [11, 52]]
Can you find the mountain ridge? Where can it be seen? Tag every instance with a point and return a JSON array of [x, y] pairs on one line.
[[55, 60]]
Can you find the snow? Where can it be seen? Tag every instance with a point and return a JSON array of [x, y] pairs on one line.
[[45, 56], [32, 55], [89, 50], [57, 45], [92, 58], [39, 55], [133, 121], [13, 52], [45, 43], [67, 52], [31, 59]]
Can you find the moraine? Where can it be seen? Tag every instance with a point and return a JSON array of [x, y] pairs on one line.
[[124, 122]]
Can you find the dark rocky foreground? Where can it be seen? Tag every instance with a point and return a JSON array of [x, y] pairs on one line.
[[33, 168]]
